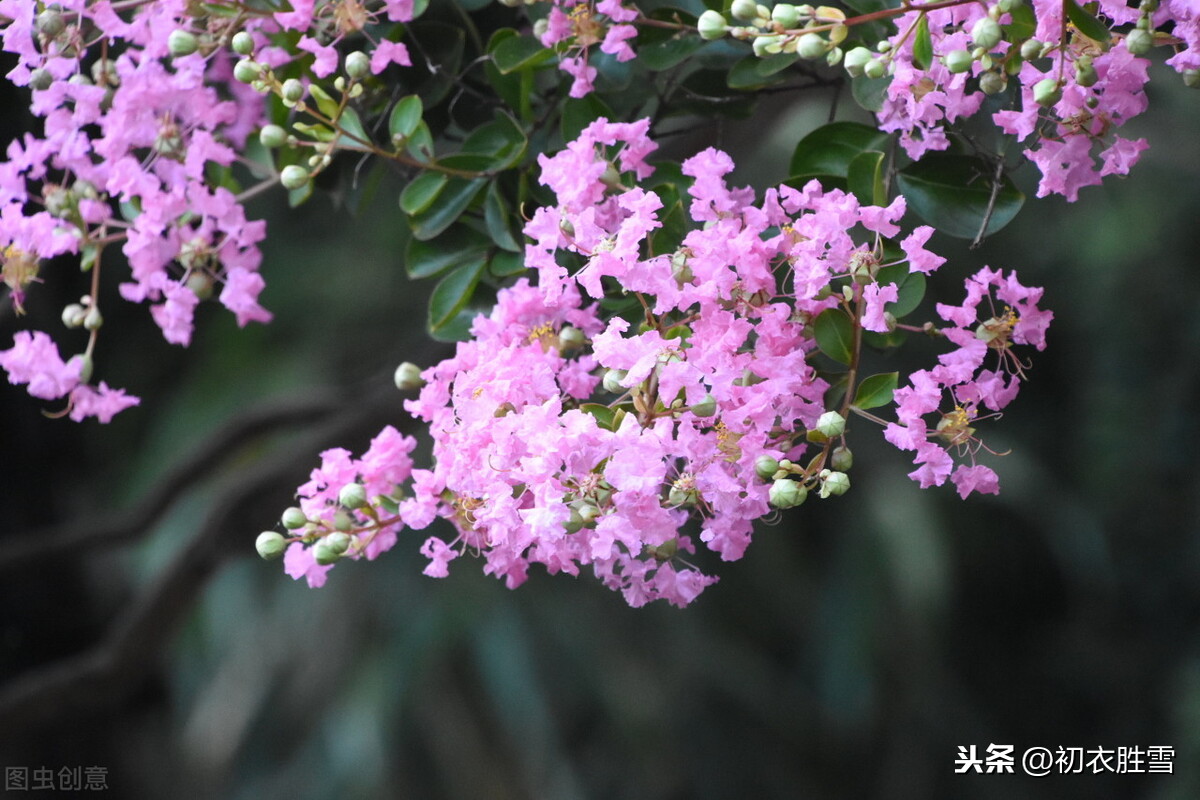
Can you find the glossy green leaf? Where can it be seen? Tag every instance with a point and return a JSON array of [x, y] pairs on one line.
[[1088, 25], [354, 134], [864, 176], [454, 199], [504, 264], [603, 414], [519, 53], [835, 335], [422, 191], [876, 390], [910, 288], [503, 139], [405, 117], [922, 49], [578, 113], [748, 74], [459, 245], [453, 292], [953, 192], [829, 149], [870, 93], [496, 217], [420, 143], [1021, 26]]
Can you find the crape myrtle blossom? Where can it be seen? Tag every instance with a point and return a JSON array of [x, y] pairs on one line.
[[626, 444], [138, 105]]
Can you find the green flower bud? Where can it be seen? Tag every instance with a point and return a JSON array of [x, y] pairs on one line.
[[841, 458], [706, 407], [785, 15], [1139, 41], [92, 320], [711, 25], [612, 381], [358, 65], [856, 59], [570, 338], [352, 495], [85, 369], [242, 43], [744, 9], [958, 61], [40, 79], [292, 91], [765, 467], [1009, 6], [986, 33], [682, 496], [337, 542], [1191, 78], [272, 136], [768, 45], [992, 83], [811, 46], [270, 544], [1047, 92], [1031, 49], [875, 68], [182, 43], [831, 424], [834, 56], [834, 483], [1085, 73], [73, 314], [324, 555], [50, 23], [293, 176], [246, 71], [408, 377], [787, 493], [293, 518]]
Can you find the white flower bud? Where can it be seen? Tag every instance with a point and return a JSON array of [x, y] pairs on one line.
[[1139, 41], [958, 61], [293, 518], [352, 495], [246, 71], [765, 467], [787, 493], [182, 43], [992, 83], [40, 79], [875, 68], [841, 458], [612, 381], [711, 25], [834, 483], [570, 338], [272, 136], [811, 46], [408, 377], [293, 176], [831, 424], [744, 9], [768, 45], [856, 59], [358, 65], [242, 43], [986, 33], [50, 23], [270, 544], [1031, 49], [73, 315], [1047, 92], [92, 320], [1191, 78], [785, 15]]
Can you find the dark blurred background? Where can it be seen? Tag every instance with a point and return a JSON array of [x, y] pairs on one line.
[[855, 648]]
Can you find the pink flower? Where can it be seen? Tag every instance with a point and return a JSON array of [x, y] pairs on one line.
[[240, 296], [34, 359], [103, 403], [386, 53]]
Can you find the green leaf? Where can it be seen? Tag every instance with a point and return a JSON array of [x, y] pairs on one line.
[[952, 193], [519, 53], [747, 74], [669, 53], [869, 93], [876, 390], [453, 292], [325, 103], [504, 264], [910, 288], [503, 139], [578, 113], [454, 199], [422, 191], [420, 143], [829, 149], [496, 218], [405, 117], [864, 176], [460, 245], [603, 414], [835, 335], [354, 134], [1022, 26], [1088, 25], [922, 49]]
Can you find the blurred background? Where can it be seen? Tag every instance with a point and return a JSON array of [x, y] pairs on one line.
[[855, 648]]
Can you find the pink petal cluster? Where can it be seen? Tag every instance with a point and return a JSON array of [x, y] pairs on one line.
[[582, 25]]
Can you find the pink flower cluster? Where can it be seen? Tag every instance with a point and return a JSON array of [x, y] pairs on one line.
[[1093, 86], [583, 25], [567, 440]]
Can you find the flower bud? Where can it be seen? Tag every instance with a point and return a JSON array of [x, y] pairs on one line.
[[85, 368], [1031, 49], [768, 45], [744, 9], [1191, 78], [1139, 41], [682, 496], [337, 542], [711, 25], [73, 314], [958, 61], [292, 91], [875, 68], [50, 23], [706, 407], [246, 71], [408, 377], [785, 15], [324, 553], [612, 381], [293, 518], [92, 320], [992, 83], [831, 424], [787, 493], [270, 544], [1047, 92], [242, 43], [1085, 73], [182, 43], [986, 33], [272, 136], [811, 46], [841, 458], [40, 79], [293, 176], [833, 483], [570, 338], [358, 65], [1009, 6], [856, 59], [352, 495], [765, 467]]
